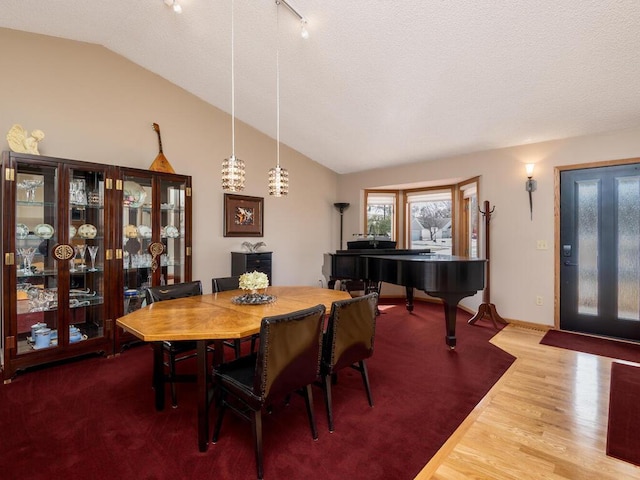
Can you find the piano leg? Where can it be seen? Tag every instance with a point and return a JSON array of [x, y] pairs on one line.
[[450, 302], [409, 299], [450, 311]]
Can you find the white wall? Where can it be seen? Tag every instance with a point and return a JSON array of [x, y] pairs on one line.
[[519, 271], [96, 106]]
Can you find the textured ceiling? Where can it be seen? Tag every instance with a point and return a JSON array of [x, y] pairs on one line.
[[381, 82]]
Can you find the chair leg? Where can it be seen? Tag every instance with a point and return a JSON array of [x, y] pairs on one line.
[[365, 379], [172, 372], [308, 399], [236, 347], [257, 437], [326, 387], [253, 343], [218, 426]]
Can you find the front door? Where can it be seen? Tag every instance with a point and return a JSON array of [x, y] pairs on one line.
[[600, 251]]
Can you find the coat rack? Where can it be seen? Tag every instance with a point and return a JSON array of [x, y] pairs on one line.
[[487, 308]]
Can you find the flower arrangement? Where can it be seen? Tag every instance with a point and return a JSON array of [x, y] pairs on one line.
[[253, 281]]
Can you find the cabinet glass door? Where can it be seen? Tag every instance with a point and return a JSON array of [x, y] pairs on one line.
[[173, 260], [86, 265], [36, 270], [137, 233]]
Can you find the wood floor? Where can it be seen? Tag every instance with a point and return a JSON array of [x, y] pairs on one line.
[[545, 418]]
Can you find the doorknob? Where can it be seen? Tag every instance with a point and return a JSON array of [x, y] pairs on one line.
[[569, 264]]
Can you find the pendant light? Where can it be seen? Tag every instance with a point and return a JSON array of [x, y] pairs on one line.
[[278, 176], [233, 168]]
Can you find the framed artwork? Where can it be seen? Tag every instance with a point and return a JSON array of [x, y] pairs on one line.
[[243, 216]]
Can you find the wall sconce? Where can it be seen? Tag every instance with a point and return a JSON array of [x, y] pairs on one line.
[[530, 185]]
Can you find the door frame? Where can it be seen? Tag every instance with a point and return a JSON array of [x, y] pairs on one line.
[[556, 213]]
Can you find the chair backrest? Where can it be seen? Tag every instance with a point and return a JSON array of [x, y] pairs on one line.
[[223, 284], [350, 332], [289, 353], [176, 290]]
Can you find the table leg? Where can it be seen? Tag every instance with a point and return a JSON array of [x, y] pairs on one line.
[[158, 375], [203, 396]]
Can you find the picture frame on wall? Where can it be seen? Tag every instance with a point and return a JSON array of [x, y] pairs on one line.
[[243, 216]]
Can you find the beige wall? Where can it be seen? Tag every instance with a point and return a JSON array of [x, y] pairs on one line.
[[519, 271], [96, 106]]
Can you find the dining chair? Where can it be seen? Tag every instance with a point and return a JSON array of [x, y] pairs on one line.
[[222, 284], [348, 342], [287, 361], [176, 351]]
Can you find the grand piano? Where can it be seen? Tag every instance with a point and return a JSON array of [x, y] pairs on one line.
[[447, 277]]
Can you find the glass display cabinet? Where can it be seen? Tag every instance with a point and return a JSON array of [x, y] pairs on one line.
[[81, 243], [155, 235], [54, 273]]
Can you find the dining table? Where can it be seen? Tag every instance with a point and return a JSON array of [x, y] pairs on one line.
[[210, 319]]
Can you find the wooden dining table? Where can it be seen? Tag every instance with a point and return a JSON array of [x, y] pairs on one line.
[[212, 318]]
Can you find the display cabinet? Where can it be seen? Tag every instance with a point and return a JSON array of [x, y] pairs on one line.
[[55, 279], [154, 236], [81, 242]]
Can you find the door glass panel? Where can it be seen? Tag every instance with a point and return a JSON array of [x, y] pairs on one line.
[[36, 269], [137, 232], [587, 242], [628, 190], [172, 233], [86, 267]]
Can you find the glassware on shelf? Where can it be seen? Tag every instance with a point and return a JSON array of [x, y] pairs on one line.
[[77, 194], [27, 254], [72, 262], [81, 250], [93, 251], [29, 186], [22, 231]]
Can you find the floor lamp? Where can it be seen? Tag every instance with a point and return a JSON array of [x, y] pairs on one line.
[[341, 206]]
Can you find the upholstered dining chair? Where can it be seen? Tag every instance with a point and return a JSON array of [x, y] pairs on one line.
[[348, 342], [181, 350], [287, 361], [223, 284]]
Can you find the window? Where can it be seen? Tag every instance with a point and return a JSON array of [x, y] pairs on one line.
[[380, 214], [469, 219], [430, 220]]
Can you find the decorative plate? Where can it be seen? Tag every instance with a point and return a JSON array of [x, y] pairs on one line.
[[171, 231], [144, 231], [253, 299], [133, 194], [72, 231], [22, 231], [44, 230], [130, 231], [87, 231]]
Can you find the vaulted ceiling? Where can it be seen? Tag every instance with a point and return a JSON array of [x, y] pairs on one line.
[[380, 82]]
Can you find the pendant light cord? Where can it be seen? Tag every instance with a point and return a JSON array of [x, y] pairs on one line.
[[233, 96], [278, 85]]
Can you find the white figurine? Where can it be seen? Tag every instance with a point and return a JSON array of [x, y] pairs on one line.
[[21, 142]]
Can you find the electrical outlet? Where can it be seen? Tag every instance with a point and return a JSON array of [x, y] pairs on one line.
[[541, 245], [539, 301]]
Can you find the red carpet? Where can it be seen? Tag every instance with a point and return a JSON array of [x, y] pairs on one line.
[[95, 418], [596, 346], [623, 435]]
